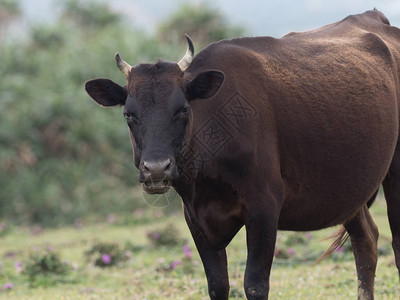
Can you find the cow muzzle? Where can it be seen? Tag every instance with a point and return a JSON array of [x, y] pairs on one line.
[[156, 176]]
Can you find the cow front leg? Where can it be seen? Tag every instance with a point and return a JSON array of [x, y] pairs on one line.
[[261, 232], [214, 263]]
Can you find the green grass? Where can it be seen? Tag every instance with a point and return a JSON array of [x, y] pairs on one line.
[[147, 273]]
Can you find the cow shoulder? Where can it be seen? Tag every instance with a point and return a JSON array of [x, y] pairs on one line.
[[375, 45], [367, 19]]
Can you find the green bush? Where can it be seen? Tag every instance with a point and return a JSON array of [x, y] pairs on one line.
[[62, 157], [45, 268], [167, 236], [204, 23], [103, 254]]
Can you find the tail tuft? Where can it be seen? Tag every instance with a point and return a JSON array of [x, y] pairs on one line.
[[341, 236]]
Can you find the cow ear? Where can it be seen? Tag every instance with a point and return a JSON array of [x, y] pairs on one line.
[[205, 85], [106, 92]]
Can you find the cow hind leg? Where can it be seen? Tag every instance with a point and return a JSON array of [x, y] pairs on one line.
[[364, 236], [391, 187]]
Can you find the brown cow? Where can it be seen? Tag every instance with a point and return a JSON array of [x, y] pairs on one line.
[[295, 133]]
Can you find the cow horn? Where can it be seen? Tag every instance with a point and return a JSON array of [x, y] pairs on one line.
[[123, 66], [184, 63]]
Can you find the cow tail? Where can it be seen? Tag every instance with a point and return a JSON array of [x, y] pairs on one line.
[[341, 236]]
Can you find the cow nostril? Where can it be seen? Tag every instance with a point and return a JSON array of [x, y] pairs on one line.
[[150, 168]]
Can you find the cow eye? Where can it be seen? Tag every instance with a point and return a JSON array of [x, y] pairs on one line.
[[128, 116], [185, 110], [182, 113]]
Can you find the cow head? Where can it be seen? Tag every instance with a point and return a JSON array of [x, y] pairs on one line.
[[157, 110]]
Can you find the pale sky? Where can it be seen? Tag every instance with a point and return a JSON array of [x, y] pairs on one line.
[[259, 17]]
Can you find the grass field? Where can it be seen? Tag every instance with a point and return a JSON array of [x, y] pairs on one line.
[[150, 271]]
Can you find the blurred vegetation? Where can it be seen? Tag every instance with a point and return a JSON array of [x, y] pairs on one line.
[[45, 268], [64, 263], [89, 14], [107, 254], [167, 236], [9, 11], [62, 157], [202, 22]]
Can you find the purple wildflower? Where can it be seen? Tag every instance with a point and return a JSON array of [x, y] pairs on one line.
[[78, 224], [291, 251], [187, 252], [138, 213], [339, 249], [8, 286], [106, 259], [111, 218], [175, 264], [276, 251], [156, 235], [18, 266]]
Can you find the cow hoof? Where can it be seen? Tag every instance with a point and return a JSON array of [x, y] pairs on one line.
[[219, 293], [254, 293]]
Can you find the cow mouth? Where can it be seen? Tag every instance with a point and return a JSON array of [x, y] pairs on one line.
[[159, 187]]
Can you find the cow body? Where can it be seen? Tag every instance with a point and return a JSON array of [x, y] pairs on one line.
[[310, 100], [299, 136]]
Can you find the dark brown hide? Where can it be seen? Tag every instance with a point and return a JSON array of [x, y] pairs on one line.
[[295, 133], [321, 123], [313, 141]]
